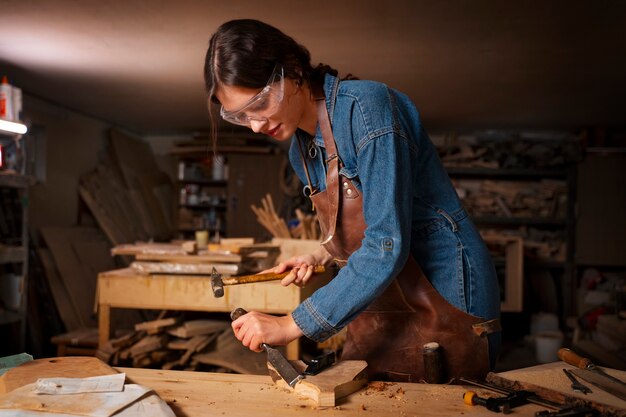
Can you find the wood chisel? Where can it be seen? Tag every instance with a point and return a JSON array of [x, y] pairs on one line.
[[278, 361]]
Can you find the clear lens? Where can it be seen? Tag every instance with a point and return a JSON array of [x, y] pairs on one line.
[[261, 106]]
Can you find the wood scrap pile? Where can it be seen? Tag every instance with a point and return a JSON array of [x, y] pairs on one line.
[[307, 227], [539, 244], [170, 343], [184, 257], [545, 199], [510, 150], [128, 195]]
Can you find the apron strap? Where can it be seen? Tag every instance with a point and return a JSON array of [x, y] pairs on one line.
[[487, 327], [332, 163]]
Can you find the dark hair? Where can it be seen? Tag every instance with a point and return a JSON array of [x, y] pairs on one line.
[[244, 53]]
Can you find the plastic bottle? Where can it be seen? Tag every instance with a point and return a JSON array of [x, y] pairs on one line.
[[6, 100]]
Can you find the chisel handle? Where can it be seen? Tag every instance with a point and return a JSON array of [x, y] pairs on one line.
[[268, 276], [574, 359], [236, 313]]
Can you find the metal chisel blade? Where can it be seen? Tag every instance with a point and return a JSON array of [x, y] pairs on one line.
[[612, 387], [282, 366]]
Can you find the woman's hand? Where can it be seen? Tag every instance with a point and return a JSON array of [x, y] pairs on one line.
[[255, 328], [301, 267]]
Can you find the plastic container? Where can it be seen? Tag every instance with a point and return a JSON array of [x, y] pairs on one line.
[[547, 345], [543, 322], [6, 100]]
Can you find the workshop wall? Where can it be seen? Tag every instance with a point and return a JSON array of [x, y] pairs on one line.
[[72, 145]]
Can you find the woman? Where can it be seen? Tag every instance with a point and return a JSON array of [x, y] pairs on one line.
[[413, 267]]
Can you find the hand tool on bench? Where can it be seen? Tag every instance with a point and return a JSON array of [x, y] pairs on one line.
[[593, 374], [278, 361], [513, 398], [217, 282], [576, 386]]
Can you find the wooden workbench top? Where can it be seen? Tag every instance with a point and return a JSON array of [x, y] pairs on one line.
[[192, 394]]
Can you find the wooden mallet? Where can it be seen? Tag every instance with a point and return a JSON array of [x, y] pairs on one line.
[[217, 282]]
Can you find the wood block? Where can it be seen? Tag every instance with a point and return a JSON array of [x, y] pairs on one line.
[[147, 344], [190, 247], [156, 324], [67, 367], [184, 268], [198, 327], [325, 388], [79, 337]]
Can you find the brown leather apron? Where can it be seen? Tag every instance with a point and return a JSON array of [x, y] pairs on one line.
[[391, 332]]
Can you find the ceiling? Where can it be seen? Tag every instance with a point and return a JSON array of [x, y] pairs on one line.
[[471, 63]]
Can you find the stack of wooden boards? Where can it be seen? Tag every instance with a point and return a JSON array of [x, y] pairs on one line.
[[545, 199], [230, 257], [170, 343], [128, 195]]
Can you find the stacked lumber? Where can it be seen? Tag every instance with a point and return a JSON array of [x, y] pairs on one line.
[[185, 257], [128, 195], [545, 199], [509, 150], [170, 343], [539, 244]]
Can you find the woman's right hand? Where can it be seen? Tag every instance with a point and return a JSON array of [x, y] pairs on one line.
[[301, 267]]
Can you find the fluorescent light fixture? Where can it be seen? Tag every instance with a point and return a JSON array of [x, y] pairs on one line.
[[12, 127]]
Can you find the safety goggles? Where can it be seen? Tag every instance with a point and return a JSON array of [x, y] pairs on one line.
[[261, 106]]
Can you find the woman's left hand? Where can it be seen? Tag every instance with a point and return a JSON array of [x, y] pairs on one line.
[[255, 328]]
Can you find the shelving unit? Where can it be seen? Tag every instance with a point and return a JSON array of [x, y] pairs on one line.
[[563, 267], [496, 160], [218, 197], [202, 187], [14, 246]]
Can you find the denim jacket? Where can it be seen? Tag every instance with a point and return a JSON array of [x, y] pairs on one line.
[[409, 204]]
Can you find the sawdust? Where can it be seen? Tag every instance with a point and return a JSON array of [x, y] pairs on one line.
[[398, 395], [378, 386]]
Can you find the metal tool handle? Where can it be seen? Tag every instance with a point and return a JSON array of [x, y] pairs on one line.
[[574, 359]]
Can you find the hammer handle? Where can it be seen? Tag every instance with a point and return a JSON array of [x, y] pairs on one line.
[[269, 276]]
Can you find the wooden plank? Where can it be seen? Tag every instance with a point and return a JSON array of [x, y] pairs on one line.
[[67, 310], [157, 324], [80, 337], [144, 247], [142, 175], [327, 387], [198, 327], [200, 257], [148, 344], [514, 275], [80, 253], [195, 394], [67, 367], [146, 268], [294, 247], [551, 377]]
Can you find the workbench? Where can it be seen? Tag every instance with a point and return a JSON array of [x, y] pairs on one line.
[[195, 394], [125, 288]]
